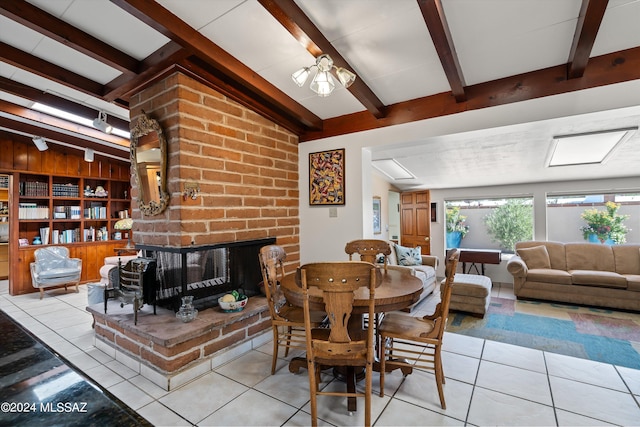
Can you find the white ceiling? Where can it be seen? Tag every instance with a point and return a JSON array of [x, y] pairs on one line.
[[389, 47]]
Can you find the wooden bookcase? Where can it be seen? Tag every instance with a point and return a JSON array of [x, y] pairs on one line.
[[68, 207], [65, 170], [66, 210], [4, 226]]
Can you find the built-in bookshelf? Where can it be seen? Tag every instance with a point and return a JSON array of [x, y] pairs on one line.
[[4, 226], [65, 210]]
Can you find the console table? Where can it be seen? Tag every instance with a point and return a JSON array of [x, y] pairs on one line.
[[479, 256]]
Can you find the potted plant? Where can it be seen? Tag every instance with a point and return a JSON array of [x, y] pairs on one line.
[[604, 226], [456, 227], [510, 223]]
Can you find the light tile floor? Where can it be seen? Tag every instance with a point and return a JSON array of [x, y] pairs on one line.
[[488, 383]]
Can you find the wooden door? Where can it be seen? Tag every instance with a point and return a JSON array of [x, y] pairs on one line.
[[415, 220]]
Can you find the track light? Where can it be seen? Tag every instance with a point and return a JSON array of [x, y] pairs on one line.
[[40, 143], [100, 123], [88, 154]]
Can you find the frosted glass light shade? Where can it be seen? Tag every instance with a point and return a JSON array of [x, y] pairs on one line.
[[301, 76], [322, 84], [345, 76]]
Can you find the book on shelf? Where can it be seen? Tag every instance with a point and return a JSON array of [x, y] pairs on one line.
[[44, 235], [74, 212], [69, 236], [33, 189], [32, 211], [90, 234]]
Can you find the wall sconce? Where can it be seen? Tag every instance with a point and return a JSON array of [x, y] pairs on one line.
[[88, 154], [323, 83], [191, 190], [100, 123], [40, 143]]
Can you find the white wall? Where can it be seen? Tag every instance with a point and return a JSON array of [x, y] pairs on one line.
[[323, 238]]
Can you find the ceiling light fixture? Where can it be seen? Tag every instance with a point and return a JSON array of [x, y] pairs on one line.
[[323, 82], [586, 148], [392, 169], [100, 123], [88, 154], [40, 143]]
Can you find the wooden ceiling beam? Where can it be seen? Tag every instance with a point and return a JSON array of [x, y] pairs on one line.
[[48, 25], [436, 22], [163, 58], [42, 68], [616, 67], [64, 127], [18, 119], [165, 22], [589, 20], [21, 128], [36, 95], [294, 20]]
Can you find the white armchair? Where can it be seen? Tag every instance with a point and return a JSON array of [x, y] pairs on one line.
[[53, 267]]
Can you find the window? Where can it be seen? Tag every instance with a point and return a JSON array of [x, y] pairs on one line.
[[564, 214], [496, 223]]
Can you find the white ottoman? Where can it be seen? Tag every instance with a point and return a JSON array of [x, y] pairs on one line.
[[471, 293]]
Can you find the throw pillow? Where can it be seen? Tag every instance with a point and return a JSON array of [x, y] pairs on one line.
[[408, 256], [535, 257]]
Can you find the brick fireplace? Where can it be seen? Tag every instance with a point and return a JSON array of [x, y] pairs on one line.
[[246, 170]]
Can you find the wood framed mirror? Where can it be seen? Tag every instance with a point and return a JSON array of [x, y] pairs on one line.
[[149, 160]]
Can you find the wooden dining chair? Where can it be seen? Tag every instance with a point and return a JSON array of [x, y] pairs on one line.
[[416, 342], [368, 249], [287, 321], [344, 343]]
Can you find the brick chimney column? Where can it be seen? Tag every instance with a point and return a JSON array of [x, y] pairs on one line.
[[246, 168]]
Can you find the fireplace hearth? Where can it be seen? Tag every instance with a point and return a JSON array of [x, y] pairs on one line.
[[206, 272]]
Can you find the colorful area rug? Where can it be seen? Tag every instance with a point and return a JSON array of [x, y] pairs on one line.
[[590, 333]]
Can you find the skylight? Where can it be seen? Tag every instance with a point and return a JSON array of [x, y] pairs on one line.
[[586, 148], [392, 169]]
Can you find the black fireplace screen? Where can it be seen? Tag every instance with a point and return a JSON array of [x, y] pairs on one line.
[[206, 272]]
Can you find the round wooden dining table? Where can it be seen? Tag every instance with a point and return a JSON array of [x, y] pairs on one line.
[[398, 289]]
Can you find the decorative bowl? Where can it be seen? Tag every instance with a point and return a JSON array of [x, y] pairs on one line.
[[233, 306], [186, 315]]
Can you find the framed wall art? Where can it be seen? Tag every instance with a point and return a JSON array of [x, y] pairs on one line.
[[326, 177], [377, 215]]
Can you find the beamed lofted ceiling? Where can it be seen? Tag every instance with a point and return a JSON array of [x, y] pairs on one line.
[[414, 60]]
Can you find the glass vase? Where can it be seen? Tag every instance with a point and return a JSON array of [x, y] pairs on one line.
[[187, 312]]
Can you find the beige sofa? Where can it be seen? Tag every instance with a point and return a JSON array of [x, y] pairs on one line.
[[580, 273], [425, 271]]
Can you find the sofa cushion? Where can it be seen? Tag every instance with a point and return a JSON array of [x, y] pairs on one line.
[[409, 256], [426, 270], [55, 273], [589, 256], [607, 279], [557, 254], [546, 275], [535, 257], [633, 282], [627, 259]]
